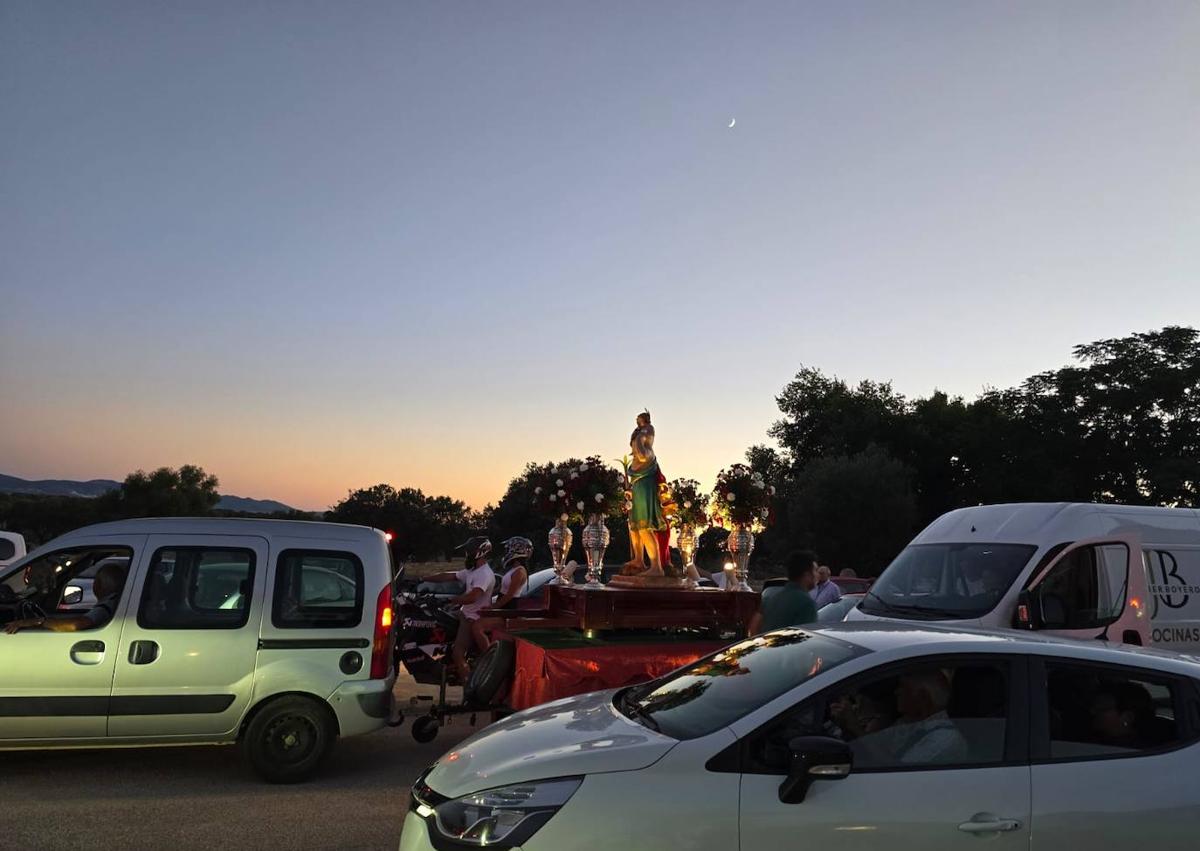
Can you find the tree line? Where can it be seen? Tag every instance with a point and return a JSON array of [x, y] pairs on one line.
[[858, 469]]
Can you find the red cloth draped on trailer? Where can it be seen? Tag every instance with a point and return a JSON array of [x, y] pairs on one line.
[[549, 667]]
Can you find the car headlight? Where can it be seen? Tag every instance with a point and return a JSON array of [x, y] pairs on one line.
[[507, 815]]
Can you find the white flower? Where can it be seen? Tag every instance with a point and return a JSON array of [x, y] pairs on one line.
[[629, 506], [559, 482], [579, 505], [731, 497], [687, 503], [756, 475], [538, 489], [553, 498], [574, 475], [565, 517], [599, 497], [771, 490], [760, 484], [583, 468]]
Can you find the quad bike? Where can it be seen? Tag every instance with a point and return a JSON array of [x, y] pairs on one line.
[[424, 649]]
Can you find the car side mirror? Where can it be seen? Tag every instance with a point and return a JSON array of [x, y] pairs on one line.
[[72, 595], [814, 758]]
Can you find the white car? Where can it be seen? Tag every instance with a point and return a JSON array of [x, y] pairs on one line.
[[275, 635], [850, 736]]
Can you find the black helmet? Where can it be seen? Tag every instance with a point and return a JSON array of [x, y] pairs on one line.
[[515, 548], [476, 548]]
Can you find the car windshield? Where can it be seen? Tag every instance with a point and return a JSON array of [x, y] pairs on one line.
[[946, 581], [721, 688]]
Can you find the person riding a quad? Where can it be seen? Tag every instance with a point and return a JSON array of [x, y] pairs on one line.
[[478, 581]]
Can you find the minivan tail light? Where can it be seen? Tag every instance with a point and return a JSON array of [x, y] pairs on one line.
[[381, 646]]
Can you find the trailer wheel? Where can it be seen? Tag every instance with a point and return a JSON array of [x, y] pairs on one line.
[[491, 673], [425, 729]]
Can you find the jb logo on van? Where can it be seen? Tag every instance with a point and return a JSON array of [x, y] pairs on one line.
[[1171, 590]]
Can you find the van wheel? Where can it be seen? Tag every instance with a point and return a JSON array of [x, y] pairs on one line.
[[425, 729], [287, 739]]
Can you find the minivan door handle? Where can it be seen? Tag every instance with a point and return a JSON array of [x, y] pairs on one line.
[[988, 823], [87, 652], [142, 652]]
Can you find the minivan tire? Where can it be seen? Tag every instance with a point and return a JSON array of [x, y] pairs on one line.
[[287, 739], [491, 673]]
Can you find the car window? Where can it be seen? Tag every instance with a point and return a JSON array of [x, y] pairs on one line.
[[197, 588], [36, 587], [721, 688], [923, 715], [947, 581], [1106, 712], [317, 589], [1086, 589]]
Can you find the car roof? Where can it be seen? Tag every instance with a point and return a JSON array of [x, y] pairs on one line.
[[227, 526], [898, 635]]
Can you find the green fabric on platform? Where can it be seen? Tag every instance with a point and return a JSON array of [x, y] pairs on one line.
[[791, 605], [647, 508]]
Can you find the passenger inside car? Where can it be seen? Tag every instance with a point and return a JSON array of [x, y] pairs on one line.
[[108, 584]]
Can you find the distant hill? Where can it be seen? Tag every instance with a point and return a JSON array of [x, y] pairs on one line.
[[95, 487]]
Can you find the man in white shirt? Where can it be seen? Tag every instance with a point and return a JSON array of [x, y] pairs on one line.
[[478, 581], [826, 590], [922, 735]]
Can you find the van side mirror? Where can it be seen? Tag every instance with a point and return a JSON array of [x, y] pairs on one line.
[[814, 758]]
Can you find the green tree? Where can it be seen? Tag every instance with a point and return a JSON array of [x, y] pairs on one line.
[[423, 527], [185, 492], [855, 511]]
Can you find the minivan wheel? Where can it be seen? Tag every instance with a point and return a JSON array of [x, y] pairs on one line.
[[287, 739]]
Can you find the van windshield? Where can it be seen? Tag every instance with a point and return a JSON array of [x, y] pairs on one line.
[[946, 581]]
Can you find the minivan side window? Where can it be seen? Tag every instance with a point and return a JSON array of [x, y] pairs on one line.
[[317, 589], [197, 588], [61, 582], [1086, 590], [1099, 712]]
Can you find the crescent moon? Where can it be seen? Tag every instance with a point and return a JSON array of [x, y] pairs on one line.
[[732, 122]]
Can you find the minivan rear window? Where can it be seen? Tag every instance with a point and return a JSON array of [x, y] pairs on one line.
[[317, 589]]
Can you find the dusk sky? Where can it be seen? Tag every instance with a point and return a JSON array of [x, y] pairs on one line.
[[313, 247]]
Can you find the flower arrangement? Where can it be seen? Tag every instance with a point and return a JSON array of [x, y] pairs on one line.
[[691, 506], [742, 497], [597, 488], [573, 489], [551, 494]]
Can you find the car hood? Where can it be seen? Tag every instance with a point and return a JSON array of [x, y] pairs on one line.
[[577, 735]]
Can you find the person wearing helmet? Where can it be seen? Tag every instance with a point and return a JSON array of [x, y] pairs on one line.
[[515, 563], [478, 580]]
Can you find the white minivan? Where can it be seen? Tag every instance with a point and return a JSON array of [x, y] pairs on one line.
[[273, 634], [1119, 573]]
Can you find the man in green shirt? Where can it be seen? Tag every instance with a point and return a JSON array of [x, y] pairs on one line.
[[791, 604]]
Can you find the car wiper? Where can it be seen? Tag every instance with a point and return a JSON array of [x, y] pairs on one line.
[[630, 706]]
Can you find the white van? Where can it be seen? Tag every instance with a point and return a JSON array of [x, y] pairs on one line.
[[12, 547], [1120, 573], [273, 634]]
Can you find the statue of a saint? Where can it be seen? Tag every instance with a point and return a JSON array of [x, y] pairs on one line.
[[649, 532]]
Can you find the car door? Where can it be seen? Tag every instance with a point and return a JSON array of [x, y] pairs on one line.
[[1093, 589], [1114, 753], [188, 653], [55, 685], [942, 783]]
